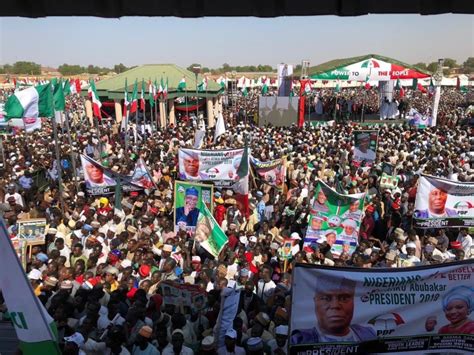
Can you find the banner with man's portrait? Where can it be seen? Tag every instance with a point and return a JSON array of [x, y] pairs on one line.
[[100, 180], [209, 165], [31, 230], [335, 219], [442, 203], [271, 172], [365, 148], [392, 310], [189, 198]]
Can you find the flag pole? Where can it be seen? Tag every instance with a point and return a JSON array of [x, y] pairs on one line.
[[58, 166], [73, 160], [156, 113]]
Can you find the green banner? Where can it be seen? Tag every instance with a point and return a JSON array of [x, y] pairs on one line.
[[208, 233], [335, 219]]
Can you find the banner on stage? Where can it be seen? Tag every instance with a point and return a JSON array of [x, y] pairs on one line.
[[359, 311], [209, 165], [189, 199], [365, 148], [335, 219], [271, 172], [442, 203]]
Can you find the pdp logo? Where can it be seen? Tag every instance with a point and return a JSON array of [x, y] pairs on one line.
[[386, 324], [462, 207]]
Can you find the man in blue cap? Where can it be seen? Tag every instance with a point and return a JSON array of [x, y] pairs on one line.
[[188, 214]]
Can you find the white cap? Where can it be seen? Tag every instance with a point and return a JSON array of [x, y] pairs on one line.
[[231, 333], [253, 239], [295, 236], [76, 338], [126, 263], [281, 330], [35, 274]]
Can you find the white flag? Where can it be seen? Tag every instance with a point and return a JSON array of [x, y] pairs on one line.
[[30, 319], [220, 127]]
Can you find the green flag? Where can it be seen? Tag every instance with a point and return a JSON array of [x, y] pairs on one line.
[[212, 237], [414, 85], [58, 96], [35, 101], [398, 85], [182, 84]]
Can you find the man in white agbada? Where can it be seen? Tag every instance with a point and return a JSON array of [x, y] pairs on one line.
[[361, 150]]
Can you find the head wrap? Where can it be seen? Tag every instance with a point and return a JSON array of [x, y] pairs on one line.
[[462, 293]]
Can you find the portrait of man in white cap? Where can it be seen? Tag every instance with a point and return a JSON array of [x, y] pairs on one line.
[[349, 233], [320, 204], [353, 212], [189, 166], [361, 149], [334, 310]]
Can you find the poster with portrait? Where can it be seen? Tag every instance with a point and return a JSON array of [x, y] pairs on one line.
[[99, 180], [209, 165], [419, 119], [192, 297], [271, 172], [442, 203], [335, 219], [141, 176], [31, 230], [398, 310], [365, 148], [388, 181], [189, 198]]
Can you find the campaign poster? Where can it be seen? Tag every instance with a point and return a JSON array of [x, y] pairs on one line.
[[413, 310], [271, 172], [189, 199], [99, 181], [365, 148], [141, 176], [335, 219], [32, 230], [192, 297], [419, 120], [442, 203], [388, 181], [209, 165]]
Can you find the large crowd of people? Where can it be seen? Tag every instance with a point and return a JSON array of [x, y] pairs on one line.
[[100, 270]]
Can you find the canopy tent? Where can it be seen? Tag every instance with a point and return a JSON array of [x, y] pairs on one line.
[[371, 67]]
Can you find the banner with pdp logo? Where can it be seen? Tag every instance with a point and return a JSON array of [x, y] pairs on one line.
[[397, 310], [442, 203]]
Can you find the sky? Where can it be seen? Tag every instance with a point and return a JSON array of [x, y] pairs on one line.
[[237, 41]]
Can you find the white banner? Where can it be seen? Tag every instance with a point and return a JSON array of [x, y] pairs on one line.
[[208, 165], [442, 203], [360, 311]]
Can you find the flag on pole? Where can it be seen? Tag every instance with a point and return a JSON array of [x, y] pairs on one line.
[[182, 84], [151, 94], [161, 88], [244, 88], [337, 88], [221, 82], [307, 88], [125, 99], [220, 127], [414, 84], [59, 100], [142, 96], [421, 88], [34, 327], [203, 85], [134, 103], [96, 104], [165, 90], [157, 91], [402, 92], [35, 102], [266, 83], [397, 85], [216, 238]]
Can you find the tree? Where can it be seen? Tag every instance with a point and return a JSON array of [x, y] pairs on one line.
[[120, 68], [66, 69], [421, 66], [26, 68], [468, 65], [451, 63], [432, 67]]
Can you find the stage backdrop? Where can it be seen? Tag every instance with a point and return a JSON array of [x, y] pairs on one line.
[[277, 110]]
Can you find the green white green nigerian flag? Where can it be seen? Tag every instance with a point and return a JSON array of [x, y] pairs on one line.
[[34, 327], [35, 102], [209, 234], [182, 85]]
